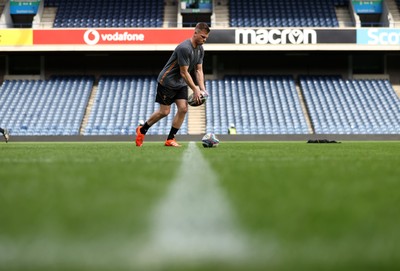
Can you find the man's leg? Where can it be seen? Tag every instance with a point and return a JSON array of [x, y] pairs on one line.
[[141, 131], [177, 122], [5, 133]]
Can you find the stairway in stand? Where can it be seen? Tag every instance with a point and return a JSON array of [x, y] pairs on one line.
[[197, 120]]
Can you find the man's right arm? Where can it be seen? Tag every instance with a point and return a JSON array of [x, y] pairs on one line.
[[184, 70]]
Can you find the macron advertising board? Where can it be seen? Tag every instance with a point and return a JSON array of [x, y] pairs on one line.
[[219, 39], [121, 36]]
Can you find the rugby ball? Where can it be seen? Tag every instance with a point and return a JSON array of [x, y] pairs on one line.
[[203, 99], [210, 140]]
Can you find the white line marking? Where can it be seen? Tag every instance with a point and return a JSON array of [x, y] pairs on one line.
[[194, 222]]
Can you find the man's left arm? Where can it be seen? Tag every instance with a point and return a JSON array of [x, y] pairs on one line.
[[200, 76]]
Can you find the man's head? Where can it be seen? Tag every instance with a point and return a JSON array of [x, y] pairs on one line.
[[201, 33]]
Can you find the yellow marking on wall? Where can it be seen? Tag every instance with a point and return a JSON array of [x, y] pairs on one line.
[[16, 37]]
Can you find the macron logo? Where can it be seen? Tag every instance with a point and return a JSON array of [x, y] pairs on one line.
[[275, 36], [93, 37]]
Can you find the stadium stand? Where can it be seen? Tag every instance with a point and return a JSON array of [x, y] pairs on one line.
[[45, 107], [122, 102], [107, 13], [338, 106], [291, 13], [255, 104]]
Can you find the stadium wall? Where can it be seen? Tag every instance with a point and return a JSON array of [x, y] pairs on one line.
[[229, 51], [216, 64]]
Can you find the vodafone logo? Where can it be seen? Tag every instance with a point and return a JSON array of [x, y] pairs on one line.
[[91, 37]]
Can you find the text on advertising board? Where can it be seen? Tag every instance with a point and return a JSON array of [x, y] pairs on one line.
[[275, 36], [378, 36]]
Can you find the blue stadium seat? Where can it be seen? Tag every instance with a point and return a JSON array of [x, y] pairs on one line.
[[121, 102], [45, 107], [107, 13], [338, 106], [277, 13], [255, 104]]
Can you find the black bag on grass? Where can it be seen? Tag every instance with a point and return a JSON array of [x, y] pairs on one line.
[[322, 141]]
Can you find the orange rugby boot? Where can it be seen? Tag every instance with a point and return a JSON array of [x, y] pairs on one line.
[[172, 143], [139, 137]]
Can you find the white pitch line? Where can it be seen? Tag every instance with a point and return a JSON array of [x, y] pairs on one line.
[[194, 222]]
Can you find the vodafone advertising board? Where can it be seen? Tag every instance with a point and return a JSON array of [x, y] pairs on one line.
[[109, 36], [227, 39], [132, 36]]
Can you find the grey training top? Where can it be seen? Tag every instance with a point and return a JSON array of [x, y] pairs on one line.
[[183, 55]]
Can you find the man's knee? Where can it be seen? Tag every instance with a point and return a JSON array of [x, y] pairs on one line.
[[164, 112], [183, 109]]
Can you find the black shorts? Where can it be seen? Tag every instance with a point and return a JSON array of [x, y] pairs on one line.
[[167, 96]]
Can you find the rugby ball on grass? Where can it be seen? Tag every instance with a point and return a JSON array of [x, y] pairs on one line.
[[210, 140], [203, 99]]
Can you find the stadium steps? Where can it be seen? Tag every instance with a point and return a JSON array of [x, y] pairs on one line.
[[197, 120], [88, 109], [170, 14], [48, 17], [394, 11], [343, 16], [221, 15], [305, 110], [397, 89]]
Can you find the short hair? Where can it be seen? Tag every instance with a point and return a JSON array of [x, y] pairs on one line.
[[202, 27]]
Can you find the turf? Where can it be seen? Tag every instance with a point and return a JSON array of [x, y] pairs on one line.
[[86, 206]]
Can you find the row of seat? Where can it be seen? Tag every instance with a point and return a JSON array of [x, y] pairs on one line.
[[150, 13], [45, 107], [338, 106], [122, 102], [277, 13], [108, 13], [255, 104]]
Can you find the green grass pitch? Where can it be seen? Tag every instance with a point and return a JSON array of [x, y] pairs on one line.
[[87, 206]]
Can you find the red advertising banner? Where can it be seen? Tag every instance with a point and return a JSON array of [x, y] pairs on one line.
[[109, 36]]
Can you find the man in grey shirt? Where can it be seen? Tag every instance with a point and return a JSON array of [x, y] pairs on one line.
[[173, 83]]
